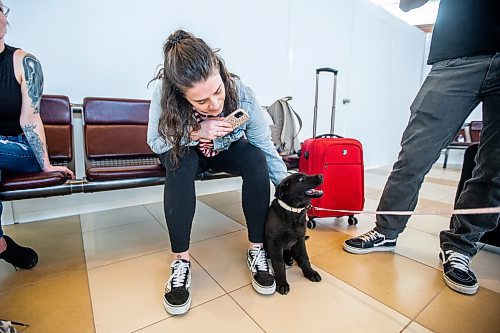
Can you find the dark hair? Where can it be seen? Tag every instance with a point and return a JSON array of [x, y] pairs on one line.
[[187, 61]]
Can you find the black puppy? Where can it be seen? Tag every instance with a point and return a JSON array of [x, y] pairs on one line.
[[286, 226]]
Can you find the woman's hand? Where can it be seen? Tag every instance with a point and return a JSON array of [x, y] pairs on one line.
[[213, 128], [64, 170]]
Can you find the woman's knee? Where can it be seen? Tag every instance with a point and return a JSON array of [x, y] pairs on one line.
[[188, 162], [253, 161]]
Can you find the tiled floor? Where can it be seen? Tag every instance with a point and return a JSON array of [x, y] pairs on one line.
[[105, 272]]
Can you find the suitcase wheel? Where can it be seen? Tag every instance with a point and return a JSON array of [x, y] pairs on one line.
[[352, 220], [311, 224]]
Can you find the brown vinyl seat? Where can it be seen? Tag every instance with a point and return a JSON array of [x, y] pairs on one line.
[[55, 111], [117, 155], [475, 130]]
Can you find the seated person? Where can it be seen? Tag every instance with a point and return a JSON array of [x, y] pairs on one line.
[[193, 93]]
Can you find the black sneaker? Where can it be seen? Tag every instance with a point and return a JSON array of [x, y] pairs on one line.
[[262, 279], [456, 272], [17, 255], [177, 298], [372, 241], [6, 327]]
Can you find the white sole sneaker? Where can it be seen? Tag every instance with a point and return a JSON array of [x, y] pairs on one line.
[[177, 309], [461, 288], [263, 290], [356, 250]]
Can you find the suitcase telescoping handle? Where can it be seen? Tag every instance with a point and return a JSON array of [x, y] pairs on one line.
[[330, 135], [315, 121]]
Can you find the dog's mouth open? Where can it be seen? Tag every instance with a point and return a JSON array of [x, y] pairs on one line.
[[314, 193]]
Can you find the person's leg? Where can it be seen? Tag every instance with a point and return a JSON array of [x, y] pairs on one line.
[[243, 158], [179, 199], [179, 202], [248, 161], [482, 190], [16, 156], [447, 97]]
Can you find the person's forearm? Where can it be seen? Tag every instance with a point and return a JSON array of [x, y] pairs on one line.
[[407, 5], [35, 134]]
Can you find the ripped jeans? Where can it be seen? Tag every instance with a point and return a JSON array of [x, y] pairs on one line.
[[17, 156]]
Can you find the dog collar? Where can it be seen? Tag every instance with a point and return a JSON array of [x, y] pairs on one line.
[[289, 208]]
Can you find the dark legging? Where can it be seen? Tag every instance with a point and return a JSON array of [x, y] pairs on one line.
[[179, 200]]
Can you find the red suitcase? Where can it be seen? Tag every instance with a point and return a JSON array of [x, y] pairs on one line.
[[340, 161]]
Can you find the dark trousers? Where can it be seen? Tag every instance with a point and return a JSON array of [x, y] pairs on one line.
[[449, 94], [179, 200]]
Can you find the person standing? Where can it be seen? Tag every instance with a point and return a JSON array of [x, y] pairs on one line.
[[465, 61]]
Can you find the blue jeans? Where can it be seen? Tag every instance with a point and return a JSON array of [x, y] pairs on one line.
[[449, 94], [16, 156]]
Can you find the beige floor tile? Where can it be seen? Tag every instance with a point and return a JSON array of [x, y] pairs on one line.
[[207, 222], [156, 209], [224, 259], [382, 171], [326, 306], [219, 315], [424, 248], [114, 217], [400, 283], [449, 199], [486, 266], [436, 192], [60, 304], [222, 198], [440, 181], [457, 313], [58, 243], [373, 194], [434, 207], [323, 238], [432, 224], [365, 224], [451, 173], [375, 181], [419, 246], [416, 328], [227, 203], [105, 246], [127, 296]]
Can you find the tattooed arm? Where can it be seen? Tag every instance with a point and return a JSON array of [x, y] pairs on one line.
[[29, 73]]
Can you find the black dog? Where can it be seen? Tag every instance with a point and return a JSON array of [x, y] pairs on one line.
[[286, 226]]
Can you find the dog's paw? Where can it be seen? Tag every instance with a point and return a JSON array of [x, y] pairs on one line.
[[283, 288], [288, 261], [313, 276]]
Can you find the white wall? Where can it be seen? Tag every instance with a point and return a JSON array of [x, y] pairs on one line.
[[111, 48]]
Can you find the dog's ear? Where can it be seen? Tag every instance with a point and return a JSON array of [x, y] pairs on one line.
[[281, 189]]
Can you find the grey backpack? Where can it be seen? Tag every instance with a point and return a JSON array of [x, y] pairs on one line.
[[286, 126]]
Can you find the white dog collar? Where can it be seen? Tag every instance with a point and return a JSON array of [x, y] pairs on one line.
[[289, 208]]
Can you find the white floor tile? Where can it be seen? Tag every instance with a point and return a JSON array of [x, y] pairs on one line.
[[326, 306], [114, 217], [123, 242], [127, 296]]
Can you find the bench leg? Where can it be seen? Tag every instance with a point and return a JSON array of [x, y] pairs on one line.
[[445, 158]]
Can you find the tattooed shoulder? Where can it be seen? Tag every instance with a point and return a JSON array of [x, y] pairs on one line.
[[34, 79]]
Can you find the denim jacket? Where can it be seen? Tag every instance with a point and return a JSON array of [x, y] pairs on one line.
[[256, 130]]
